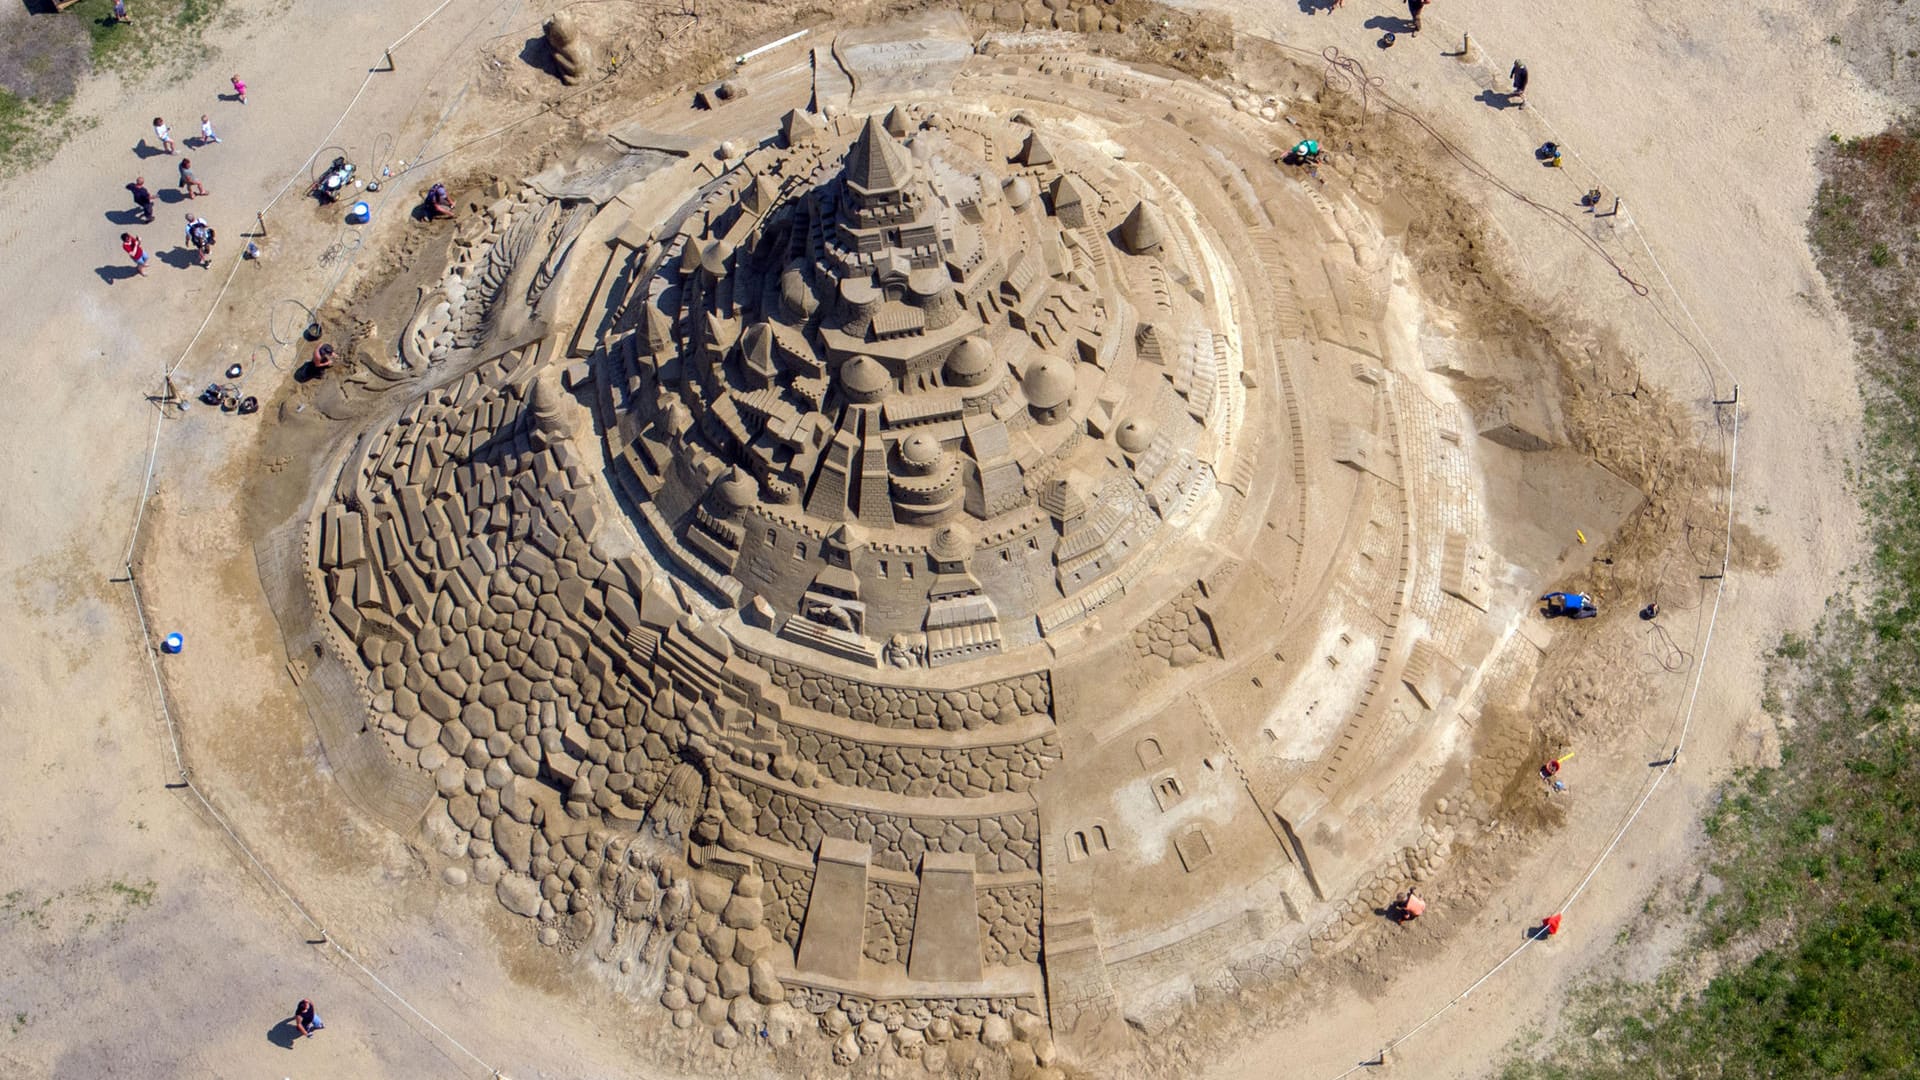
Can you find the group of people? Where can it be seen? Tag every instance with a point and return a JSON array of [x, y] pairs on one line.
[[198, 234]]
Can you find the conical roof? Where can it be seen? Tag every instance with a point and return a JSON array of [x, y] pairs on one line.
[[1143, 230], [863, 376], [896, 122], [877, 162]]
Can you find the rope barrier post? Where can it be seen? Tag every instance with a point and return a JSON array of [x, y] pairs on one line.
[[389, 62], [259, 224]]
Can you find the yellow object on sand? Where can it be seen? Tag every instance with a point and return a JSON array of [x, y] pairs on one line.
[[1581, 535]]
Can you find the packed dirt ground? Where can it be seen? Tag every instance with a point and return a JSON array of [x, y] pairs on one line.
[[150, 941]]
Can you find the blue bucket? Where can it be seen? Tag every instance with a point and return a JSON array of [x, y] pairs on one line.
[[359, 214], [172, 644]]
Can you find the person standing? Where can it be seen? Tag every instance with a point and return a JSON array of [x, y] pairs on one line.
[[239, 90], [1414, 8], [120, 12], [305, 1020], [207, 134], [190, 183], [200, 238], [130, 244], [142, 198], [1519, 77], [163, 133]]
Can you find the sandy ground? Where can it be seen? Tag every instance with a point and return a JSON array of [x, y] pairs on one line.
[[1706, 122]]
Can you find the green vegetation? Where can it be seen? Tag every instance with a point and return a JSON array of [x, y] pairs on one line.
[[1821, 857], [161, 27], [43, 58]]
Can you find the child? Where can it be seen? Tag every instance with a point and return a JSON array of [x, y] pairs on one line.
[[130, 244], [239, 90], [206, 131], [164, 133]]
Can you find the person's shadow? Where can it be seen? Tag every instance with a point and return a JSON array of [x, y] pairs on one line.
[[112, 273], [1315, 7], [180, 258], [144, 150], [1389, 24], [127, 217], [283, 1034], [1494, 99]]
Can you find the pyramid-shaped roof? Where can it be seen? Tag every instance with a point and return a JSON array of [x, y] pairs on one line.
[[877, 162], [1034, 151]]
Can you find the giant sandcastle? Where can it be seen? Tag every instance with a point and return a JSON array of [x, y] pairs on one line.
[[993, 559]]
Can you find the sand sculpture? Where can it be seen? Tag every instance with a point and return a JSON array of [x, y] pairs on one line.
[[572, 53], [1013, 585]]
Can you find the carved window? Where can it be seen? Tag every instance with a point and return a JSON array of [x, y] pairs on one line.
[[1148, 750], [1168, 792], [1076, 846]]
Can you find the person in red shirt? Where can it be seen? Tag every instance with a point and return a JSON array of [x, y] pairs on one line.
[[1409, 906], [130, 244]]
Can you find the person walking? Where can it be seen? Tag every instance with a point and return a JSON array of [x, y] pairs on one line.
[[163, 133], [305, 1020], [207, 135], [1414, 8], [190, 183], [200, 238], [239, 90], [1519, 77], [142, 198], [130, 244]]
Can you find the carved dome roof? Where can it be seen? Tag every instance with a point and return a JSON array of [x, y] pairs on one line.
[[1049, 383], [1134, 435], [970, 362], [863, 377], [920, 449], [951, 543], [738, 491], [796, 294]]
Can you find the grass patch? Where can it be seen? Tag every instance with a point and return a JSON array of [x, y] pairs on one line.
[[44, 57], [1817, 935], [164, 35]]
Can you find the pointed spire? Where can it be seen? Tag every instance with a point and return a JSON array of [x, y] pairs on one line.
[[896, 122], [1143, 231], [877, 162]]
